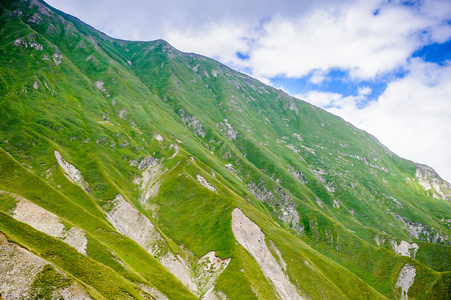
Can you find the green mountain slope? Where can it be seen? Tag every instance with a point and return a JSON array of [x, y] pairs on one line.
[[133, 170]]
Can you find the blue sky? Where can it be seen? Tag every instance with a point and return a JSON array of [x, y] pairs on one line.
[[383, 65], [436, 53], [338, 80]]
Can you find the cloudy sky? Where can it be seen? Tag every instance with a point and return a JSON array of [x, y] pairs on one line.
[[383, 65]]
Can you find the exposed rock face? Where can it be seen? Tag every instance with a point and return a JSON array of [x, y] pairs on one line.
[[282, 203], [74, 291], [294, 107], [57, 58], [290, 216], [20, 43], [192, 123], [405, 249], [214, 295], [203, 273], [44, 221], [228, 130], [405, 280], [52, 30], [158, 137], [156, 294], [176, 150], [147, 161], [38, 218], [431, 181], [150, 181], [261, 192], [282, 262], [205, 183], [76, 238], [18, 270], [320, 203], [421, 231], [129, 221], [380, 240], [91, 57], [364, 160], [35, 19], [123, 113], [71, 172], [33, 44], [250, 236], [232, 170], [100, 85], [300, 176], [206, 270]]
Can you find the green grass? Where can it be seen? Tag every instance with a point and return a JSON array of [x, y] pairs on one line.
[[340, 163]]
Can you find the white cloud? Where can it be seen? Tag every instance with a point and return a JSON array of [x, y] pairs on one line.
[[336, 101], [412, 117], [327, 99], [348, 37], [220, 41], [318, 76], [364, 90]]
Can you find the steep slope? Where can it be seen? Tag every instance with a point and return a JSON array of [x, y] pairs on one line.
[[134, 164]]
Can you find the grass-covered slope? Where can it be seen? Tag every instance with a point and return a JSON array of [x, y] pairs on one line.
[[121, 164]]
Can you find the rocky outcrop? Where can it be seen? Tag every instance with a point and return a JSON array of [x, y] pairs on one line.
[[71, 172], [404, 248], [205, 183], [150, 181], [280, 201], [57, 58], [299, 175], [156, 294], [135, 225], [176, 150], [49, 223], [192, 123], [421, 231], [228, 130], [19, 42], [206, 270], [405, 280], [364, 160], [431, 181], [380, 240], [19, 269], [250, 236], [100, 85], [198, 275]]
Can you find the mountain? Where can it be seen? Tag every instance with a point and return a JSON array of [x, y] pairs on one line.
[[131, 170]]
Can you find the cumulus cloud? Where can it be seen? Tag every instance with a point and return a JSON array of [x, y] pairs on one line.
[[327, 99], [364, 90], [412, 117], [348, 37], [318, 76]]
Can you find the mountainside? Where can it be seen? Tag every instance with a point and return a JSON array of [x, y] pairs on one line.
[[131, 170]]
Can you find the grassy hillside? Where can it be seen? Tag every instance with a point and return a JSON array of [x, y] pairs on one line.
[[86, 119]]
